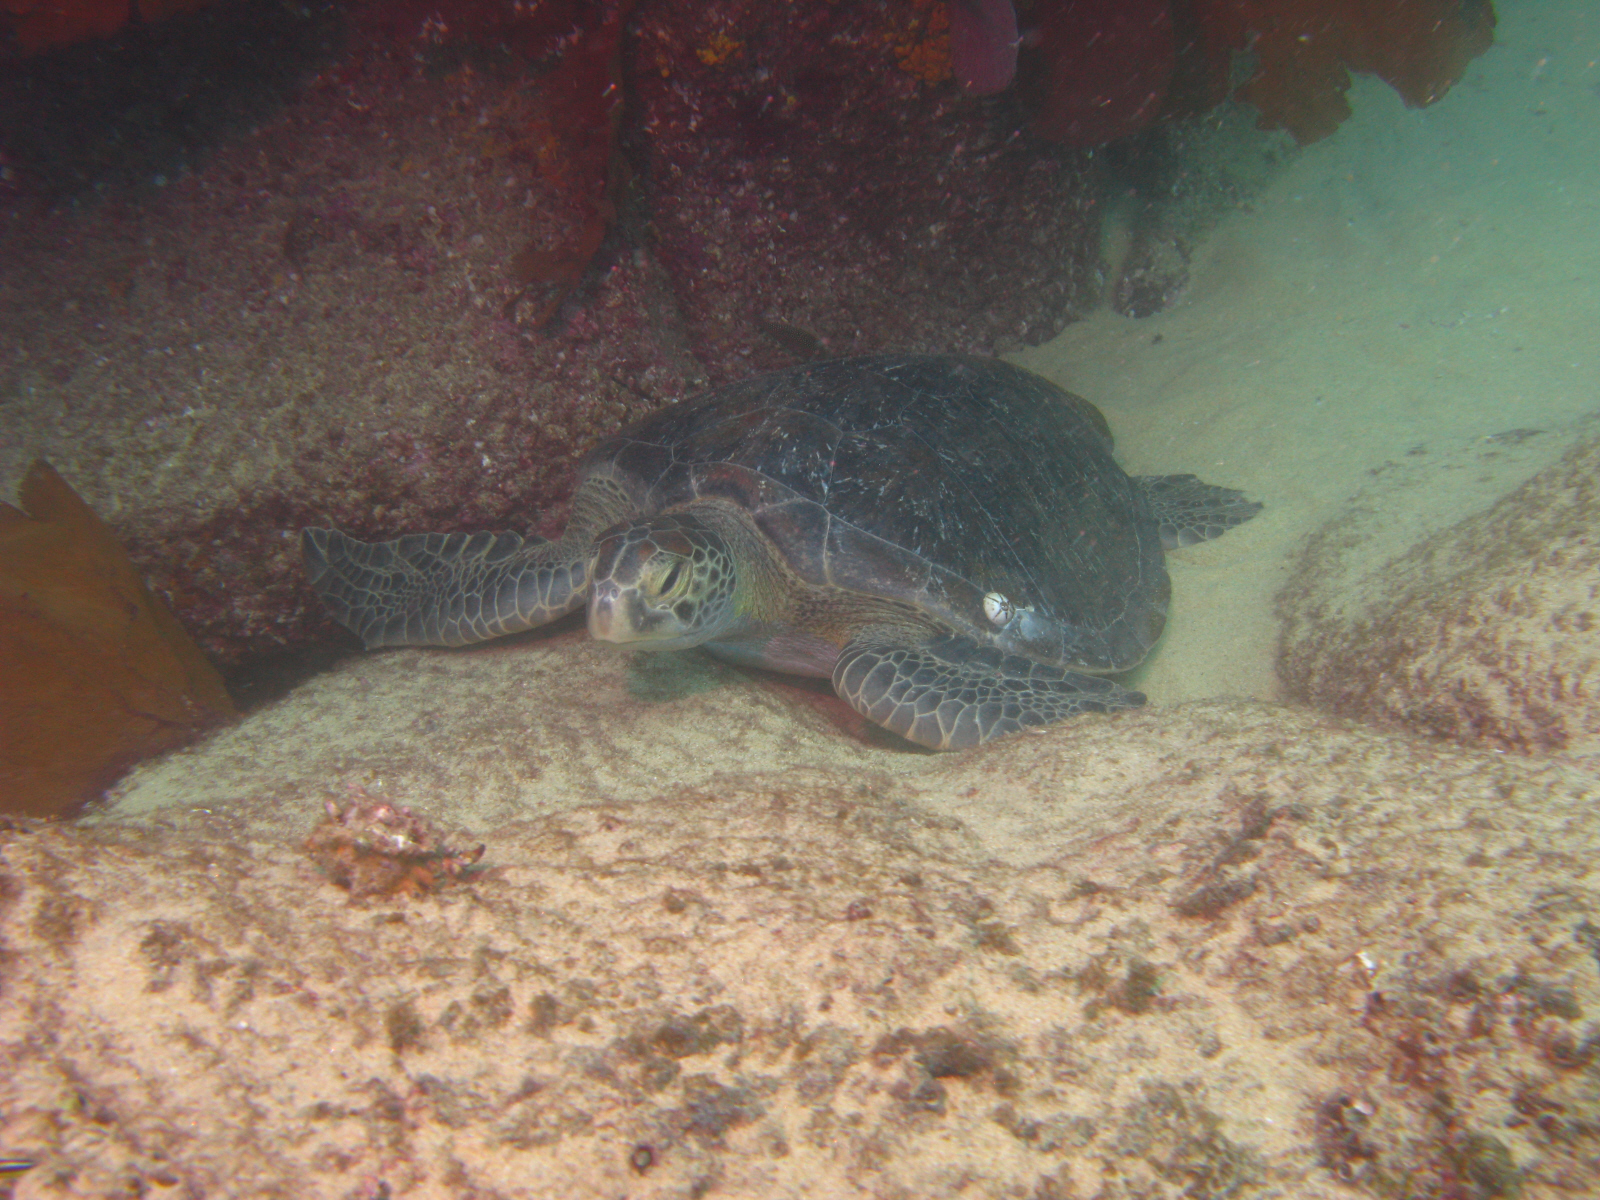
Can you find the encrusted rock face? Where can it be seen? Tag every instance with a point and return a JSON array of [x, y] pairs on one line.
[[424, 283], [1221, 951], [1487, 633], [816, 175]]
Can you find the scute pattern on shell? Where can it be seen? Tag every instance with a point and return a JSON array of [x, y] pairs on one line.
[[930, 480]]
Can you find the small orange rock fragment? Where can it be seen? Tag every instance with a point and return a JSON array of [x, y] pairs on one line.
[[373, 847]]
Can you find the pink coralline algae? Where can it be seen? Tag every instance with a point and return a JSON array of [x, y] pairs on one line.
[[807, 180]]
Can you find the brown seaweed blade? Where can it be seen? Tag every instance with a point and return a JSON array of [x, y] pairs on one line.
[[1306, 50], [1115, 66], [98, 673]]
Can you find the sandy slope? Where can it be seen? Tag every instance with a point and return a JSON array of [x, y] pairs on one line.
[[1418, 282]]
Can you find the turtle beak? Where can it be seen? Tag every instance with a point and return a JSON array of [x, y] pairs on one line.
[[607, 621], [641, 585], [622, 607], [619, 614], [610, 600]]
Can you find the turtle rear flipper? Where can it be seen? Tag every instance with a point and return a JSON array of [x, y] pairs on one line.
[[1190, 511], [436, 589], [949, 692]]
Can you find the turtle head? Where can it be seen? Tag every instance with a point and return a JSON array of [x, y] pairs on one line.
[[665, 583]]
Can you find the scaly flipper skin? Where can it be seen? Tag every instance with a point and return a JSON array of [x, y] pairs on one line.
[[948, 692], [436, 589], [1189, 511]]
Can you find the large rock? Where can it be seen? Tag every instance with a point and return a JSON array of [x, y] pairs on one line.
[[1486, 631], [821, 187], [310, 327], [719, 946], [382, 306]]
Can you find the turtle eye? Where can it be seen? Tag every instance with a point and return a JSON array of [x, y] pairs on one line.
[[670, 579], [999, 609]]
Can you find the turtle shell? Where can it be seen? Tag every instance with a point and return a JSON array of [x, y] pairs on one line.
[[929, 480]]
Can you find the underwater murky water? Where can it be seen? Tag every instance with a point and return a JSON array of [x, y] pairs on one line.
[[725, 937]]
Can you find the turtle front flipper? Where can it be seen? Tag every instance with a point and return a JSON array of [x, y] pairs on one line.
[[949, 692], [437, 589]]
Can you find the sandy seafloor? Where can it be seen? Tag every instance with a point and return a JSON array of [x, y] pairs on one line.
[[1420, 281]]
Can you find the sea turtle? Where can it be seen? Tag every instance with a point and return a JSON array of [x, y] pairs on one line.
[[946, 537]]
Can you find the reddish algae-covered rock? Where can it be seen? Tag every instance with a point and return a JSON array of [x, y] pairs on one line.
[[409, 293], [819, 185]]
